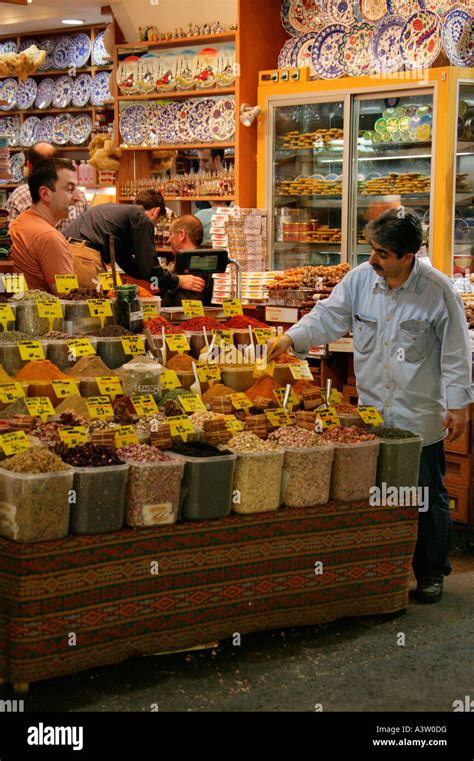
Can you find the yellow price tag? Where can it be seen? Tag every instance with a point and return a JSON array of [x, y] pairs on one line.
[[73, 435], [240, 402], [80, 347], [180, 425], [328, 417], [125, 436], [14, 442], [49, 309], [99, 308], [66, 283], [278, 417], [232, 307], [207, 372], [149, 311], [263, 335], [192, 308], [39, 405], [11, 391], [63, 388], [6, 315], [279, 394], [15, 283], [169, 380], [133, 345], [177, 342], [370, 415], [144, 405], [107, 281], [99, 407], [30, 350], [232, 424], [223, 338], [191, 403], [336, 397], [301, 371], [110, 385]]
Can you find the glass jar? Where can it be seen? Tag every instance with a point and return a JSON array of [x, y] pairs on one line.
[[128, 308]]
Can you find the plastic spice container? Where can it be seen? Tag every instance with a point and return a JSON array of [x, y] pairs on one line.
[[58, 352], [141, 378], [10, 357], [153, 492], [34, 507], [78, 320], [349, 420], [257, 478], [100, 499], [282, 375], [196, 341], [43, 388], [110, 350], [354, 471], [28, 320], [399, 462], [306, 478], [207, 487], [237, 378], [11, 323]]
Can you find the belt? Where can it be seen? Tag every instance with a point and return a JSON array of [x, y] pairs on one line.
[[89, 243]]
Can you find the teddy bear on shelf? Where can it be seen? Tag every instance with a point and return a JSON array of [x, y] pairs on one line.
[[162, 161], [103, 155], [21, 64]]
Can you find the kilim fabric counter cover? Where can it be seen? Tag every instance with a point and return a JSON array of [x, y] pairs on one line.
[[242, 573]]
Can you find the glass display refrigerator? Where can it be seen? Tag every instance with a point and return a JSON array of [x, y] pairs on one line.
[[463, 223]]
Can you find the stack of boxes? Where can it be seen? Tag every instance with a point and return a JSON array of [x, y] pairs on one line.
[[243, 232]]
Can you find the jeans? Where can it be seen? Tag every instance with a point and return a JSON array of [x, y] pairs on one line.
[[435, 525]]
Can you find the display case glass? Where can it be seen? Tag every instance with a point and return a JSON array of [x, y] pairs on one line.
[[463, 232], [391, 161], [306, 193]]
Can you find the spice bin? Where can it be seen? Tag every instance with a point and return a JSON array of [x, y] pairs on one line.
[[141, 376], [110, 350], [153, 492], [354, 471], [237, 378], [10, 325], [29, 321], [78, 320], [306, 478], [100, 499], [196, 342], [34, 507], [257, 477], [207, 487], [399, 461], [10, 357], [58, 352]]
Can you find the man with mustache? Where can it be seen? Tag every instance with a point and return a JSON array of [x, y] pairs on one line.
[[412, 358]]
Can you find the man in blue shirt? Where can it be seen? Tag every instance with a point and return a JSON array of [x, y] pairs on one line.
[[412, 359]]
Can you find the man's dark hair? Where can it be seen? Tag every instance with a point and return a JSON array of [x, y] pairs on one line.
[[190, 225], [215, 152], [398, 230], [151, 199], [33, 155], [45, 174]]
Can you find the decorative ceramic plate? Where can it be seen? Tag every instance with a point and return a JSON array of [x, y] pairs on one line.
[[457, 35], [338, 11], [222, 119], [306, 15], [81, 129], [100, 92], [62, 124], [405, 8], [132, 125], [81, 90], [29, 131], [10, 128], [325, 51], [284, 15], [27, 44], [441, 7], [47, 44], [17, 162], [45, 93], [355, 53], [183, 124], [373, 10], [168, 118], [385, 44], [63, 92], [301, 53], [62, 53], [8, 92], [80, 49], [283, 58], [100, 57], [421, 40], [44, 132], [26, 93], [199, 119], [9, 46], [153, 124]]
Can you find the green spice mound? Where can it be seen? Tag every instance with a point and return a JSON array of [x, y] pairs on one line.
[[387, 432], [35, 460]]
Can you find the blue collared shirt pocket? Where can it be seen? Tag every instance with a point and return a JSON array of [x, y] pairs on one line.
[[416, 339], [364, 333]]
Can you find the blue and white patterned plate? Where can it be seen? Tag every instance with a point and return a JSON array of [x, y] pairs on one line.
[[385, 44], [284, 15], [338, 11], [45, 93], [81, 90], [29, 131], [27, 44], [301, 53], [81, 129], [62, 124], [457, 35], [8, 92], [325, 51], [44, 133], [9, 46], [17, 162], [199, 119], [132, 125], [283, 58], [405, 8], [10, 128], [183, 124], [169, 121], [26, 93], [63, 91], [62, 53], [100, 57], [80, 49], [47, 44], [221, 125], [100, 92]]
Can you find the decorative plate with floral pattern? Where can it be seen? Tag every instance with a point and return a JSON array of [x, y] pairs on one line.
[[325, 51], [306, 15], [62, 124], [301, 55], [421, 40], [457, 35], [405, 8], [338, 11], [373, 10], [81, 129], [284, 61], [26, 93], [385, 44], [355, 52], [284, 13]]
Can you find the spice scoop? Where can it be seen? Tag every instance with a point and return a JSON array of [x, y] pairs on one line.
[[152, 352], [249, 351], [196, 386], [164, 355], [286, 397], [327, 401], [206, 352], [262, 364]]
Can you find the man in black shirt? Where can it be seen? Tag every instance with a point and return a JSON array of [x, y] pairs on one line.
[[186, 234], [133, 228]]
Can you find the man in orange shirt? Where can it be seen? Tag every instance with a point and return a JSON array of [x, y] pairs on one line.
[[39, 251]]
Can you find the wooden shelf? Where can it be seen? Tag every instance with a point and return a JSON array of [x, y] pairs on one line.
[[178, 147], [46, 111], [176, 94], [178, 42]]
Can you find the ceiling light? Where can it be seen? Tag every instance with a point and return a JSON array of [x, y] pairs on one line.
[[73, 21]]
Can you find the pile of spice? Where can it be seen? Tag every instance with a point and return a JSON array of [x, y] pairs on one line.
[[90, 367], [40, 370], [196, 324], [102, 425], [18, 407], [35, 460], [290, 436], [215, 391], [342, 435], [242, 322], [304, 385], [47, 433], [5, 297], [34, 295], [172, 394], [82, 294], [87, 456], [57, 335], [181, 362], [111, 331], [156, 324], [287, 359], [124, 411], [75, 405], [171, 408], [142, 453], [246, 441], [344, 408], [263, 388], [387, 432], [202, 416], [198, 449], [13, 336]]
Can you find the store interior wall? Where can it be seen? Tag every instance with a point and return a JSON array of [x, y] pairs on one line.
[[169, 14]]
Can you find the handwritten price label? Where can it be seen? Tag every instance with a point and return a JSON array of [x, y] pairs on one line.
[[30, 350], [66, 283], [232, 424], [109, 385], [192, 308], [177, 342], [125, 436], [80, 347], [39, 405], [11, 391], [99, 308], [63, 388], [6, 314], [107, 281], [99, 407], [232, 307], [223, 338], [144, 405], [180, 425], [370, 415], [279, 394], [336, 397], [149, 311], [301, 371], [240, 402], [207, 372], [133, 345], [73, 435], [263, 335], [49, 309], [278, 417], [15, 283], [15, 442], [328, 418], [169, 380], [191, 403]]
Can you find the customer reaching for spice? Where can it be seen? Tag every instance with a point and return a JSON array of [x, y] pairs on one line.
[[412, 359]]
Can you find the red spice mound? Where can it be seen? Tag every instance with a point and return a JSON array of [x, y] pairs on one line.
[[242, 322], [198, 323], [156, 324]]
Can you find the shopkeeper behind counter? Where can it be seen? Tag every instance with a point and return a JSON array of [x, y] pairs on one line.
[[133, 229], [186, 234]]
